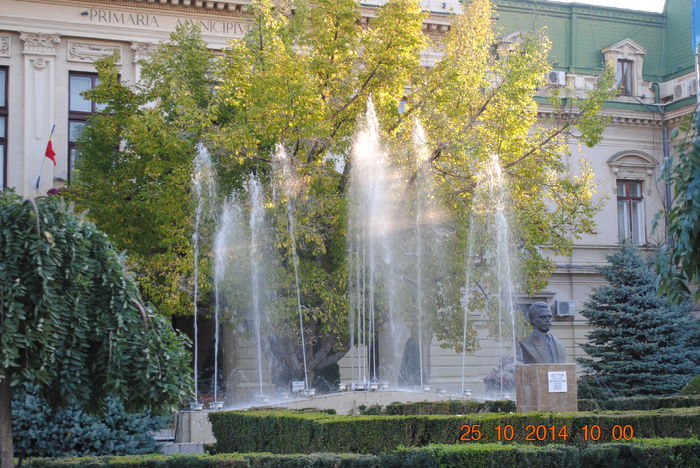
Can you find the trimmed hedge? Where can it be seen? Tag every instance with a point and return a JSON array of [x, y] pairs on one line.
[[508, 406], [441, 407], [639, 403], [285, 432], [654, 453]]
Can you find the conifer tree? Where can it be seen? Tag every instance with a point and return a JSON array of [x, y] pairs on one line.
[[641, 344]]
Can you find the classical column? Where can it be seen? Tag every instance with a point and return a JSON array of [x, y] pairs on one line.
[[39, 94], [141, 52]]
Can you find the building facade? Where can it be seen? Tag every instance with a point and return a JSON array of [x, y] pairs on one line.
[[48, 47]]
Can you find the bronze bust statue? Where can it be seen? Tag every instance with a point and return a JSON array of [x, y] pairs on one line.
[[540, 347]]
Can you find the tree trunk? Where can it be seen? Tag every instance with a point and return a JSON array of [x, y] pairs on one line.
[[6, 447]]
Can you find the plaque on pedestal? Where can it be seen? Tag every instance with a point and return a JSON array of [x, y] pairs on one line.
[[546, 387]]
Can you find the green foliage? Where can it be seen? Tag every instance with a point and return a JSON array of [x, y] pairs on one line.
[[42, 431], [508, 406], [692, 387], [644, 452], [134, 169], [679, 259], [288, 432], [640, 343], [476, 104], [638, 403], [442, 407], [71, 319], [301, 78], [652, 453]]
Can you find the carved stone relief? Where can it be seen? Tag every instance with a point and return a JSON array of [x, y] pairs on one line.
[[36, 43], [87, 52], [39, 62], [4, 45], [141, 50], [634, 165]]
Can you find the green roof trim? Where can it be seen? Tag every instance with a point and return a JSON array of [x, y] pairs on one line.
[[630, 106], [689, 101], [579, 32]]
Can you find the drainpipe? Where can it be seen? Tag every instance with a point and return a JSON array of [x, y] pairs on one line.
[[657, 92], [666, 148], [667, 181], [666, 152]]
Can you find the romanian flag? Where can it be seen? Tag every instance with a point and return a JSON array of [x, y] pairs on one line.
[[49, 153]]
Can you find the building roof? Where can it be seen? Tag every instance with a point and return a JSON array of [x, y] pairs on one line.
[[579, 32]]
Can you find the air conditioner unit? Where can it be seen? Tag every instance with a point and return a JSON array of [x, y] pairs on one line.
[[556, 78], [677, 92], [565, 308]]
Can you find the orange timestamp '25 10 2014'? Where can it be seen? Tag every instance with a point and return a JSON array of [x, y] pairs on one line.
[[542, 432]]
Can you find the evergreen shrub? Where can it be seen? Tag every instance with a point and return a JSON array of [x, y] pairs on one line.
[[692, 387], [639, 403], [42, 431], [286, 432], [640, 343], [641, 453]]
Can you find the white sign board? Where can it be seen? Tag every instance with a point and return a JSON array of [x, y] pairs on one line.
[[557, 382], [297, 385]]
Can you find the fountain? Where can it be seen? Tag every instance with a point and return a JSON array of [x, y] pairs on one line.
[[396, 234], [490, 263], [428, 244], [394, 255], [242, 284], [373, 280], [203, 181], [288, 182]]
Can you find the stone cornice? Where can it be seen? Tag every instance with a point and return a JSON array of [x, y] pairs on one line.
[[581, 11], [433, 26], [628, 119], [219, 7]]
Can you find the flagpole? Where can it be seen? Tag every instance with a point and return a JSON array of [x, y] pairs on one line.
[[46, 155], [41, 171]]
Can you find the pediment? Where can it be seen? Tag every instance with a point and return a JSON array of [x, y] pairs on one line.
[[625, 47], [633, 158], [507, 43], [511, 38]]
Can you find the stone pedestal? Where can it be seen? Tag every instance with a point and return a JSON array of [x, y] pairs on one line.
[[546, 387]]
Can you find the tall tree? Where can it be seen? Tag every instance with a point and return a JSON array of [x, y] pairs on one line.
[[134, 171], [72, 321], [679, 258], [640, 344], [301, 78]]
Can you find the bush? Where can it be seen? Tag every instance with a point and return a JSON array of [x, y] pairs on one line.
[[639, 403], [647, 453], [640, 343], [286, 432], [692, 387], [441, 407], [42, 431]]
